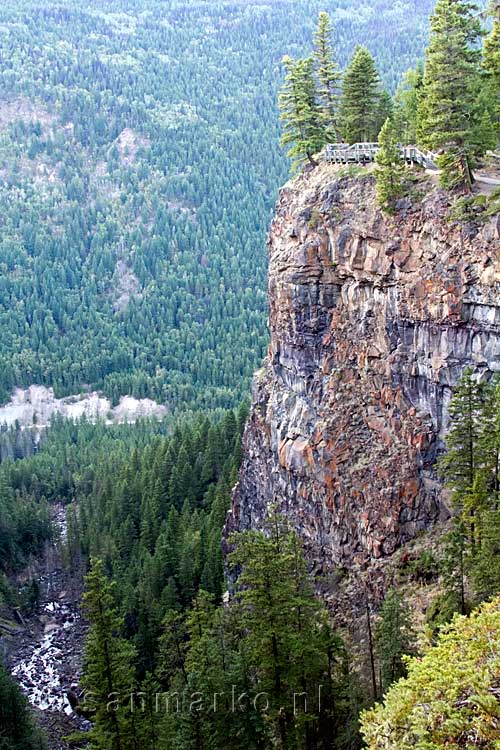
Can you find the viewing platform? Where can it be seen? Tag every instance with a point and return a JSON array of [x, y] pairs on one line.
[[364, 153]]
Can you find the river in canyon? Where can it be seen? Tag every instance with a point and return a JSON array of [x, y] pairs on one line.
[[46, 654]]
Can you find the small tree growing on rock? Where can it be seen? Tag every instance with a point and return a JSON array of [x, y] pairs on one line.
[[389, 169]]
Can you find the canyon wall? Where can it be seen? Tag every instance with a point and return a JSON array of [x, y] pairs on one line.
[[373, 318]]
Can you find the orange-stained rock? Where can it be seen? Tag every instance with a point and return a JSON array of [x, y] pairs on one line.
[[372, 318]]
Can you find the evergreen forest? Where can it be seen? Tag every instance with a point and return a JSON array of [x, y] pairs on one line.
[[139, 163], [142, 144]]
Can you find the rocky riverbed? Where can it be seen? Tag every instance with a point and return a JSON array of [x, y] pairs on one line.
[[47, 661], [46, 655]]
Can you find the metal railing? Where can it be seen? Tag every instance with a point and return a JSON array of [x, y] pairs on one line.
[[364, 153]]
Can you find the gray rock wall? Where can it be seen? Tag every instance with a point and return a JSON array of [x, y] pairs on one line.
[[373, 319]]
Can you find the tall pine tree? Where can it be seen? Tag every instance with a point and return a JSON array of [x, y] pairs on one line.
[[300, 114], [492, 60], [449, 90], [329, 77], [108, 677], [287, 638], [359, 108], [464, 453], [17, 728], [393, 638]]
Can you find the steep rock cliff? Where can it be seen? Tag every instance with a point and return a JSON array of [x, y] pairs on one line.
[[372, 321]]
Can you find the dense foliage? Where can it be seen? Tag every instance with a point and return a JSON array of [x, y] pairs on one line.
[[389, 172], [362, 99], [447, 115], [451, 695], [471, 469], [17, 729], [24, 526], [57, 469], [139, 162], [263, 671], [154, 515]]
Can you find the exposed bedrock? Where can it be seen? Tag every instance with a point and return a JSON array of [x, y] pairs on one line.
[[373, 318]]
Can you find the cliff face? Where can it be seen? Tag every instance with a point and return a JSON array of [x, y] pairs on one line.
[[372, 320]]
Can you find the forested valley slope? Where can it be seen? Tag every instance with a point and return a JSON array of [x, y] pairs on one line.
[[140, 159], [317, 570]]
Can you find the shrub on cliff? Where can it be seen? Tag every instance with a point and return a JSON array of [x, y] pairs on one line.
[[451, 697]]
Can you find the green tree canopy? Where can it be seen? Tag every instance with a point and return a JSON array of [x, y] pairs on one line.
[[407, 101], [492, 59], [17, 728], [449, 89], [329, 77], [108, 671], [393, 638], [359, 116], [450, 697], [300, 114], [389, 169]]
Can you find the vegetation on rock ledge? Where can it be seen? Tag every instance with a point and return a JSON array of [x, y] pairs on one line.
[[450, 105]]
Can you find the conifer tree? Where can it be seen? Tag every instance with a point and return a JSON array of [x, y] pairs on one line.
[[464, 454], [17, 728], [393, 638], [486, 564], [492, 60], [359, 108], [300, 114], [389, 170], [454, 565], [385, 109], [108, 677], [407, 101], [450, 82], [484, 135], [329, 77], [489, 443], [286, 636], [450, 697]]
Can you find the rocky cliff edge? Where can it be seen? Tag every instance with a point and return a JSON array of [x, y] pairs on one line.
[[373, 318]]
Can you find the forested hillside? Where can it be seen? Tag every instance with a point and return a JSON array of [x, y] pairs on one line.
[[140, 157], [139, 161]]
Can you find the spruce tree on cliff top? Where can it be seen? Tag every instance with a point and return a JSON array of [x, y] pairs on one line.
[[329, 77], [492, 58], [300, 113], [449, 91], [359, 110]]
